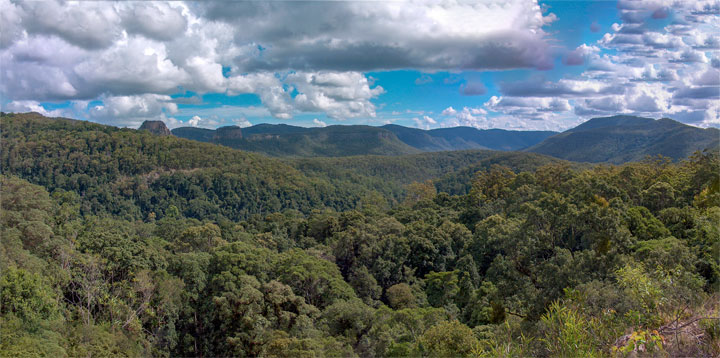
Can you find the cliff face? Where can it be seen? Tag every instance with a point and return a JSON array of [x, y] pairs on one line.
[[155, 127], [228, 133]]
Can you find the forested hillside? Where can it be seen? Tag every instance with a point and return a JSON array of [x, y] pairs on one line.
[[617, 140], [290, 141], [337, 141], [119, 242], [621, 139], [136, 174], [459, 138]]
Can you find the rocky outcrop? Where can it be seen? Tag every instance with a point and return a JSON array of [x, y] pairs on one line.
[[155, 127], [228, 133]]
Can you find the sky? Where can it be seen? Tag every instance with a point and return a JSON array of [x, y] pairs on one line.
[[510, 64]]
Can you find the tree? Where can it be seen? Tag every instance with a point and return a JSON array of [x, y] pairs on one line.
[[441, 288], [417, 192], [448, 339], [27, 297], [400, 296]]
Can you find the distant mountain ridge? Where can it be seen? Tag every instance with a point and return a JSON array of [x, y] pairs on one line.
[[620, 139], [340, 140], [460, 138], [291, 141]]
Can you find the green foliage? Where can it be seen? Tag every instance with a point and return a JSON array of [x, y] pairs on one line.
[[400, 296], [568, 333], [317, 280], [446, 339], [26, 296], [17, 341], [441, 287], [156, 246], [642, 341]]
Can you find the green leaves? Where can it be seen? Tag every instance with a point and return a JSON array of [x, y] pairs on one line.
[[27, 296], [555, 261], [448, 339]]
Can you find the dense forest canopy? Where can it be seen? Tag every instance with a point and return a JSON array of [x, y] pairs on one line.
[[118, 242], [345, 140]]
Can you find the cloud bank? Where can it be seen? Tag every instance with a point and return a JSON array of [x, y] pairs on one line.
[[130, 56]]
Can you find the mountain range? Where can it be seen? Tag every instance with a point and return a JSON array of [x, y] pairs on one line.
[[616, 139], [339, 140], [621, 139]]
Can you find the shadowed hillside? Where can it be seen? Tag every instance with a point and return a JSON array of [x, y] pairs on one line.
[[291, 141], [336, 141], [621, 139], [458, 138]]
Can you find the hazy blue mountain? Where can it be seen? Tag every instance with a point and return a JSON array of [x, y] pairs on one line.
[[266, 128], [285, 140], [620, 139], [458, 138], [332, 141], [198, 134]]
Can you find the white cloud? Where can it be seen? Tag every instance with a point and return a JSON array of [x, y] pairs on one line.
[[132, 55], [198, 122], [426, 122], [155, 20], [11, 20], [32, 106], [636, 68], [527, 104], [90, 25], [361, 36], [319, 123], [55, 51], [539, 87], [131, 111], [338, 94], [449, 111], [242, 122]]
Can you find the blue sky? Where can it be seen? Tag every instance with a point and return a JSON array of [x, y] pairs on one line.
[[517, 64]]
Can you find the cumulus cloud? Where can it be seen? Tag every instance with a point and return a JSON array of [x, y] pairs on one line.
[[361, 36], [87, 25], [106, 51], [32, 106], [155, 20], [131, 111], [449, 111], [131, 56], [338, 94], [425, 122], [11, 19], [577, 56], [319, 123], [540, 113], [466, 117], [199, 122], [479, 118], [527, 104], [539, 87], [636, 68]]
